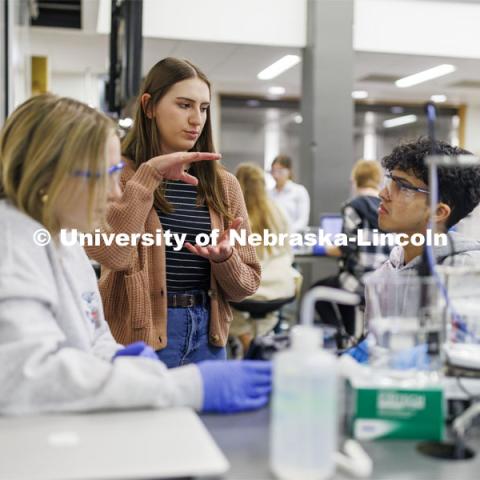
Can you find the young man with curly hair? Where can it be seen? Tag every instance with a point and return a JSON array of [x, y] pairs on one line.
[[405, 207]]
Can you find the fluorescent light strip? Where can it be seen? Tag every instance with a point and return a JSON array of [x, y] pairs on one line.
[[425, 76], [438, 98], [359, 94], [398, 121], [276, 90], [280, 66]]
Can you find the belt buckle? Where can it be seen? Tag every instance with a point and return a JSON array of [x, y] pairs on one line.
[[191, 301]]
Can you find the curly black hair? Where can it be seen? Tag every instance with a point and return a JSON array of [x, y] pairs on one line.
[[458, 187]]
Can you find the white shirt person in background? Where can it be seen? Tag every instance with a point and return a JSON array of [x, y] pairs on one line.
[[292, 197]]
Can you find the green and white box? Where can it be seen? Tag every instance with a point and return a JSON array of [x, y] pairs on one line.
[[386, 412]]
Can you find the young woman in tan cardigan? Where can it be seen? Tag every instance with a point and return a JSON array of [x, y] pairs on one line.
[[174, 299]]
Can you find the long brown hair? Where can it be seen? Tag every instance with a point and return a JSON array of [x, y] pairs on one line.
[[143, 141], [262, 212]]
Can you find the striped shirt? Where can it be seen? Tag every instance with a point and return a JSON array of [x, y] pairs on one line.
[[185, 270]]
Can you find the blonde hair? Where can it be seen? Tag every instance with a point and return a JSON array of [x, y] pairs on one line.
[[367, 174], [42, 143], [262, 212]]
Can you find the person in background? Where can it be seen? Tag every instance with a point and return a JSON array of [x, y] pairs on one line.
[[279, 278], [59, 166], [176, 300], [360, 212], [292, 197]]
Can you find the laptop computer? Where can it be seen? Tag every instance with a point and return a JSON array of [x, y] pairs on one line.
[[331, 223], [144, 444]]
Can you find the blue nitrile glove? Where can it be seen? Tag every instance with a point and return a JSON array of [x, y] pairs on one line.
[[415, 357], [319, 250], [137, 349], [235, 385], [359, 352]]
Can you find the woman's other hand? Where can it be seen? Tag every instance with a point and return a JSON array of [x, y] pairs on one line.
[[223, 250]]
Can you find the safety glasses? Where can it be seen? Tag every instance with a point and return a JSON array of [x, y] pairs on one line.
[[110, 171], [396, 186]]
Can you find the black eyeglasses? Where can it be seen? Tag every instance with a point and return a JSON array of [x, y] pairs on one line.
[[401, 185]]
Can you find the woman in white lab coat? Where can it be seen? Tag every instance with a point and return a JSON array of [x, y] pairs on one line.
[[292, 197]]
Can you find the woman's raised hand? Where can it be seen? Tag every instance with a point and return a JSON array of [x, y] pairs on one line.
[[172, 165]]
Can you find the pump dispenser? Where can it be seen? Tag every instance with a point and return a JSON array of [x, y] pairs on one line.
[[303, 433]]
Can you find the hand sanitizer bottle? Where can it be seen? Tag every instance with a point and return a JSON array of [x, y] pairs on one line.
[[303, 429]]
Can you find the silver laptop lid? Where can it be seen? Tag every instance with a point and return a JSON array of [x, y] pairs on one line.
[[146, 444]]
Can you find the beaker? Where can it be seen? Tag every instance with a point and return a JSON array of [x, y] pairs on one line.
[[404, 320], [462, 314]]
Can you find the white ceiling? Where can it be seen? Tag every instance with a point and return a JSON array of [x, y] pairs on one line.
[[397, 66], [233, 68]]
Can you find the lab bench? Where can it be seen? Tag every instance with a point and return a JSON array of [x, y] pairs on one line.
[[244, 439]]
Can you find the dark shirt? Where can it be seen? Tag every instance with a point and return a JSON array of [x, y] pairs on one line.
[[360, 212], [185, 270]]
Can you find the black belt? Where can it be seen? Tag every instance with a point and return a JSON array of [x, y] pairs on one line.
[[186, 300]]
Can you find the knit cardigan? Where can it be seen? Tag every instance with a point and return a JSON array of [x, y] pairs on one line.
[[133, 279]]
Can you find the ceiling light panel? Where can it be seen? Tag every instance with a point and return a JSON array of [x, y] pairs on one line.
[[399, 121], [425, 75], [280, 66]]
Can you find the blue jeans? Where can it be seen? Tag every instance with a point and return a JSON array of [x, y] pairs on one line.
[[187, 334]]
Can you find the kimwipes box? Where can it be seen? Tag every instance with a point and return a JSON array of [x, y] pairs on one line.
[[378, 412]]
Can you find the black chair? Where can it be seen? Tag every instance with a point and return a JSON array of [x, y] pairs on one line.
[[260, 308]]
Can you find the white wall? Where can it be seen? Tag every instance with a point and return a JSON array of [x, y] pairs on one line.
[[416, 27], [70, 50], [448, 29], [75, 61], [259, 22], [84, 87]]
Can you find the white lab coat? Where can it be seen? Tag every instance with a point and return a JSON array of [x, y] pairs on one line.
[[55, 345], [294, 200]]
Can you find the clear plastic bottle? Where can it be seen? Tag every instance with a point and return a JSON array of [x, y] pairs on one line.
[[303, 430]]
